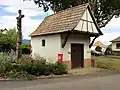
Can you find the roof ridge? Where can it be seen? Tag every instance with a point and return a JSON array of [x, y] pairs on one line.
[[85, 4], [115, 39]]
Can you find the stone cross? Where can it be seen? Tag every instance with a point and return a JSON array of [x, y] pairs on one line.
[[19, 35]]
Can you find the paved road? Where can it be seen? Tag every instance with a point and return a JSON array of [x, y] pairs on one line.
[[88, 82]]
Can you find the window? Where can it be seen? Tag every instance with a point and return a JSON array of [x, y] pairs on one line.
[[118, 45], [43, 42]]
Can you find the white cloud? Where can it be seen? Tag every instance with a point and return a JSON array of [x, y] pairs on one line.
[[109, 31], [19, 3], [28, 9], [114, 23], [108, 36], [7, 21], [28, 25]]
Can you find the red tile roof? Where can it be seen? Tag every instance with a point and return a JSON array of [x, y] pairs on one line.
[[62, 21], [99, 43]]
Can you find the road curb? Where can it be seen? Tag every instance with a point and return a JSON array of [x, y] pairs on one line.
[[53, 76], [46, 77]]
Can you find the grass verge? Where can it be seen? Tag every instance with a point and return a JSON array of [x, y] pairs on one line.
[[107, 63]]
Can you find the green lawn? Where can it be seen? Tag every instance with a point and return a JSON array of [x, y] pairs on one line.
[[101, 58], [113, 56], [107, 63]]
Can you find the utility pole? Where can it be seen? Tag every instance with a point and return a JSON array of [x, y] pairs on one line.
[[19, 35]]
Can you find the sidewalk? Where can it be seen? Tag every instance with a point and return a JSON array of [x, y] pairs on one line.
[[74, 72], [84, 71]]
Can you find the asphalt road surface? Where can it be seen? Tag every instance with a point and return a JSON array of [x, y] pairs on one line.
[[88, 82]]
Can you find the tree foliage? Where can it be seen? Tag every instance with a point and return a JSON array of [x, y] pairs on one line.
[[7, 40], [103, 10], [108, 50], [26, 48], [98, 48]]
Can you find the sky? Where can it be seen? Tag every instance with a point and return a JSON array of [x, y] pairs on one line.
[[34, 16]]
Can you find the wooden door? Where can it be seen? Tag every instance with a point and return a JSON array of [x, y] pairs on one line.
[[77, 55]]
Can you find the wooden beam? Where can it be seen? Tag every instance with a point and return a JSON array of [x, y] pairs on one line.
[[85, 33], [66, 39], [93, 41], [82, 25], [87, 20], [92, 28]]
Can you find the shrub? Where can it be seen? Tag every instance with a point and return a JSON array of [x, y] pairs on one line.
[[26, 48], [26, 70], [8, 40], [42, 68], [98, 48], [59, 69], [108, 51], [11, 70], [36, 68], [19, 75], [5, 63], [28, 67]]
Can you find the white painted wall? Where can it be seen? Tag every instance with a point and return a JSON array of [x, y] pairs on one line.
[[53, 46], [75, 39], [53, 42], [51, 49], [91, 28], [114, 46]]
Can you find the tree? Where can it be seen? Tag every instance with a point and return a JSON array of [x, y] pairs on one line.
[[11, 33], [103, 10], [2, 31], [8, 40], [108, 50], [98, 48], [26, 48]]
